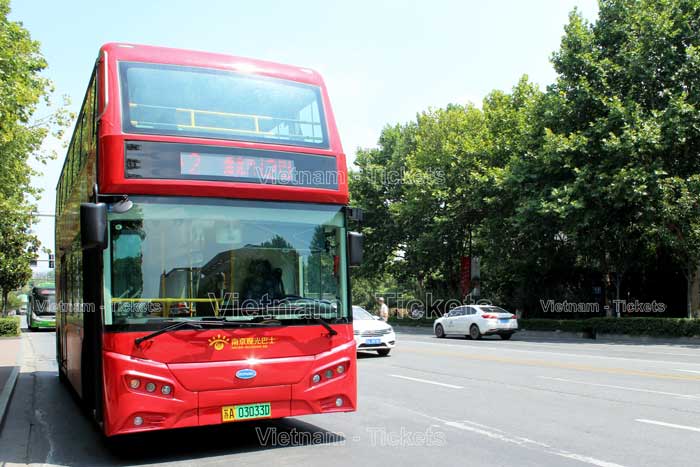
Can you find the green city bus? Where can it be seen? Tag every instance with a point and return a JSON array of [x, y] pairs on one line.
[[41, 308]]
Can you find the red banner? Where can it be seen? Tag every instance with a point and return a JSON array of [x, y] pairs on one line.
[[465, 275]]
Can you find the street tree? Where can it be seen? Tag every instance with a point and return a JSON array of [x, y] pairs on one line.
[[23, 92], [17, 247], [626, 97]]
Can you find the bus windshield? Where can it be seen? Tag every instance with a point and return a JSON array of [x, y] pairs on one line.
[[208, 103], [232, 259], [44, 302]]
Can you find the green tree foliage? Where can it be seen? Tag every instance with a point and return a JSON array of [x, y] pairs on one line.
[[598, 176], [13, 301], [447, 162], [627, 97], [378, 186], [22, 91], [17, 248]]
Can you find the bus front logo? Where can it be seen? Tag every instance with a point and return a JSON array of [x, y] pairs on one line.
[[246, 373], [218, 342]]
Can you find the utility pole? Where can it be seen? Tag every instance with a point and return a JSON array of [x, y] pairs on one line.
[[39, 214], [51, 259]]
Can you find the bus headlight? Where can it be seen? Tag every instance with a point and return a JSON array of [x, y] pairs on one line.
[[134, 383], [166, 389], [150, 387]]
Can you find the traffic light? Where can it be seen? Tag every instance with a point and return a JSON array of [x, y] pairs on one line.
[[52, 262]]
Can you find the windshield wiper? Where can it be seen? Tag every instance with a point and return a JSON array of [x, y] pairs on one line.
[[197, 324], [291, 304], [325, 324], [256, 321], [317, 319], [322, 322]]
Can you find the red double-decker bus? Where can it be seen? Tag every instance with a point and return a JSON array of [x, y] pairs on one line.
[[202, 244]]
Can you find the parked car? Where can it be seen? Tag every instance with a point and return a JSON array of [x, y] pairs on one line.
[[475, 321], [371, 333]]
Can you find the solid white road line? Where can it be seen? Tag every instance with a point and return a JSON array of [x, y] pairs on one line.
[[428, 382], [502, 436], [689, 371], [669, 425], [623, 388]]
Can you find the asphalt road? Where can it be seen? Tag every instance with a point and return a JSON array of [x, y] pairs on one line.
[[432, 402]]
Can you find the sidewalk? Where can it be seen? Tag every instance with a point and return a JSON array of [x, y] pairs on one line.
[[9, 370]]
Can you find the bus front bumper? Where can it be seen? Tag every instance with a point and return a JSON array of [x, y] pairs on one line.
[[135, 398], [43, 321]]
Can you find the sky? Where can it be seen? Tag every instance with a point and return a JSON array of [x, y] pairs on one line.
[[382, 61]]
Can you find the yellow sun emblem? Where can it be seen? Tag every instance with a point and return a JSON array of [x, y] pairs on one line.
[[218, 342]]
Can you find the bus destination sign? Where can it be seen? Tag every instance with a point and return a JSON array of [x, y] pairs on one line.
[[176, 161], [266, 169]]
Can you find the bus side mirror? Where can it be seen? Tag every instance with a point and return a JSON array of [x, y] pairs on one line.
[[93, 225], [355, 248]]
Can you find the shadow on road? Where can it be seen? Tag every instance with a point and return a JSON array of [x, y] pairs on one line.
[[205, 442], [370, 354], [46, 425], [37, 330]]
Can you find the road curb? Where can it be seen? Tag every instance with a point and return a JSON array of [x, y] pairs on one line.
[[6, 393], [602, 338], [412, 329], [659, 340]]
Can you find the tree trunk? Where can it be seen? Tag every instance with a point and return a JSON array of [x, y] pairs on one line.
[[689, 294], [4, 303], [693, 291], [618, 283], [606, 302]]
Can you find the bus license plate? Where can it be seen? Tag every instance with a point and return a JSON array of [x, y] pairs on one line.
[[232, 413]]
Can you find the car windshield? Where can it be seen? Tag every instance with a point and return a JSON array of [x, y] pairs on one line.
[[235, 260], [201, 102], [360, 313]]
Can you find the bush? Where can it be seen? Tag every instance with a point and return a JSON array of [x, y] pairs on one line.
[[564, 325], [657, 327], [408, 321], [9, 326]]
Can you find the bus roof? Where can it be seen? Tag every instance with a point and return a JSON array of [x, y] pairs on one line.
[[317, 136], [167, 55]]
